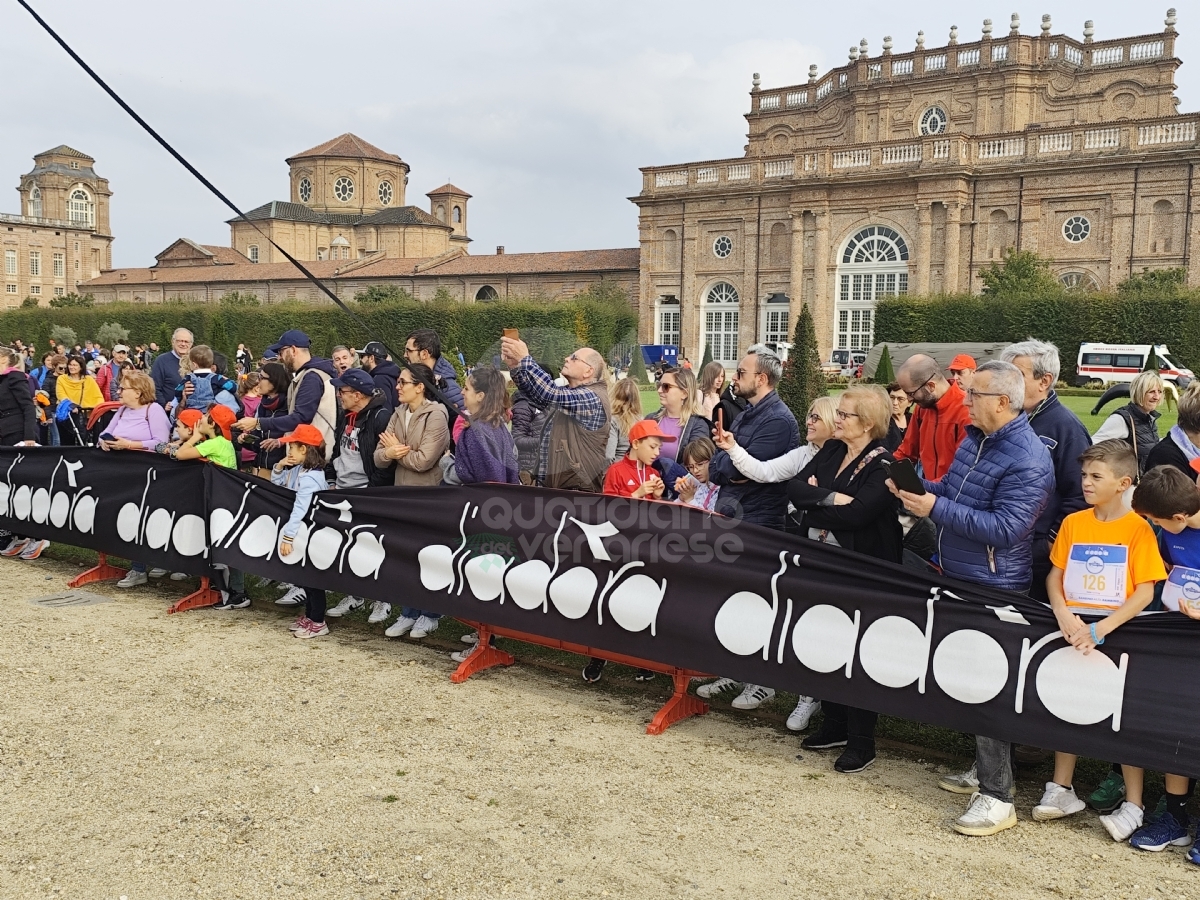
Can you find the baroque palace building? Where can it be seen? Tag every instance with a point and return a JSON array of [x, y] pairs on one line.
[[912, 172], [347, 220], [61, 237]]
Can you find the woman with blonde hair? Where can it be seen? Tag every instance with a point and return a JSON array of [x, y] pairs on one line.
[[712, 379], [680, 415], [1136, 422], [626, 401], [1181, 447]]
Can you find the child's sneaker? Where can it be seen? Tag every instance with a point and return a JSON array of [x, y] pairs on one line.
[[1193, 855], [232, 601], [348, 605], [312, 629], [1057, 802], [1161, 833], [1124, 822], [302, 622], [1109, 795]]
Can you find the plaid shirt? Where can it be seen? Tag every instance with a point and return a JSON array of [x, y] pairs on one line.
[[580, 403]]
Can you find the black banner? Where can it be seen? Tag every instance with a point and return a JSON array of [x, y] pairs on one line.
[[673, 584]]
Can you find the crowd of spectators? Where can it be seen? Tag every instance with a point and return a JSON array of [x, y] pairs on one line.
[[1010, 482]]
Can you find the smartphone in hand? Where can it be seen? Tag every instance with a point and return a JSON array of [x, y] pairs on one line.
[[512, 333], [904, 476]]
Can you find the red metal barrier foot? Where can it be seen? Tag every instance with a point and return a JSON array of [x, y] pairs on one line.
[[485, 657], [101, 571], [681, 706], [205, 596]]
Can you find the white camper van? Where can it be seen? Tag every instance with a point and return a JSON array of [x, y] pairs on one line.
[[1101, 363]]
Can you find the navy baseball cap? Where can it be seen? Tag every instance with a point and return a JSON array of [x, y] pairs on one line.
[[374, 349], [356, 380], [292, 338]]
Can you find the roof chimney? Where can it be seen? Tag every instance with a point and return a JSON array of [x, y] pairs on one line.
[[500, 250]]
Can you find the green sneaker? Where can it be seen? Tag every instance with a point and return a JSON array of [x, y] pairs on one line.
[[1109, 795]]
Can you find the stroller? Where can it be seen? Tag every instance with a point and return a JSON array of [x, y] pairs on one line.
[[87, 431]]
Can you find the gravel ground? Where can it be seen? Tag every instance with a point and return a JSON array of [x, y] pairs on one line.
[[149, 757]]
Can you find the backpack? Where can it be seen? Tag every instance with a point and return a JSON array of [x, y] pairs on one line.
[[210, 389]]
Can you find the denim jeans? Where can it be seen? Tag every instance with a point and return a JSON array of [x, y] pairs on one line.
[[993, 761], [411, 612]]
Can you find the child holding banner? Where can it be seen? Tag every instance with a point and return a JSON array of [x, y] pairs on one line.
[[1104, 562], [1170, 500], [303, 470]]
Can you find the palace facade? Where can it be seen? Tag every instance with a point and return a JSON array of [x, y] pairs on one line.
[[61, 237], [910, 172]]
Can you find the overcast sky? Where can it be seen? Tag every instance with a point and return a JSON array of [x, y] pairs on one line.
[[542, 110]]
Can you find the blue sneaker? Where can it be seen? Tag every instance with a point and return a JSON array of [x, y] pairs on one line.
[[1193, 855], [1161, 833]]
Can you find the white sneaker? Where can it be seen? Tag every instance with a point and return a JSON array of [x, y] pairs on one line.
[[803, 712], [1057, 802], [349, 603], [180, 576], [986, 815], [379, 612], [400, 627], [159, 573], [752, 697], [462, 655], [423, 627], [294, 597], [132, 579], [34, 549], [471, 637], [717, 688], [1124, 821], [964, 783]]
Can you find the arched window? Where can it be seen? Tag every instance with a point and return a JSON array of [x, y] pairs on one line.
[[80, 208], [1077, 281], [35, 202], [721, 319], [441, 213], [457, 215], [1162, 226], [999, 234], [874, 264], [486, 294]]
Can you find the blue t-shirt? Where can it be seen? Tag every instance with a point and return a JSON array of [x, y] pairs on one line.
[[1181, 549]]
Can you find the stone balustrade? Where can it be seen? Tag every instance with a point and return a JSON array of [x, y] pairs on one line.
[[932, 152]]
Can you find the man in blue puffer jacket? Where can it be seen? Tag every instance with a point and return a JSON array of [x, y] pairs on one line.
[[985, 509]]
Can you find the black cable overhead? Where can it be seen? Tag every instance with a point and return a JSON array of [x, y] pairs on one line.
[[216, 192]]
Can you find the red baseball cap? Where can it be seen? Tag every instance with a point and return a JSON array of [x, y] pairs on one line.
[[962, 362], [304, 434], [647, 428], [189, 417], [223, 417]]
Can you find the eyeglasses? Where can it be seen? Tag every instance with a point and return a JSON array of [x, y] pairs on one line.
[[813, 419], [665, 386], [404, 381], [972, 394], [740, 372], [695, 466], [842, 415], [128, 387]]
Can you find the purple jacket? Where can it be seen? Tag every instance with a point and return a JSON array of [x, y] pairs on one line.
[[485, 453]]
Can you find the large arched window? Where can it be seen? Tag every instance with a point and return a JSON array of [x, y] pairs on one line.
[[486, 294], [35, 202], [80, 208], [873, 264], [721, 320]]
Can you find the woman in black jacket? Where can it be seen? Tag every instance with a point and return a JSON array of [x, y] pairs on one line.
[[18, 425], [846, 502], [527, 424]]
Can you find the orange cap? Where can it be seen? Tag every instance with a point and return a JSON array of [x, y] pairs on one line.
[[189, 417], [223, 417], [961, 362], [304, 434], [647, 428]]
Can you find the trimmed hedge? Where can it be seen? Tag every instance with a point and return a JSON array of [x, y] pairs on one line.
[[1067, 321], [552, 329]]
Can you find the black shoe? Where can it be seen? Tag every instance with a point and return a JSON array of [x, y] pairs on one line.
[[232, 601], [823, 739], [854, 760], [594, 670], [643, 675]]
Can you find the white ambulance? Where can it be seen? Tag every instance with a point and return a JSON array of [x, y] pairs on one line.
[[1102, 363]]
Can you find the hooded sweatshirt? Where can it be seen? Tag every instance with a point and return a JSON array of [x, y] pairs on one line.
[[385, 375]]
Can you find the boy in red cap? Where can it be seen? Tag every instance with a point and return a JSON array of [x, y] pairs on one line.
[[642, 473], [962, 370], [212, 437]]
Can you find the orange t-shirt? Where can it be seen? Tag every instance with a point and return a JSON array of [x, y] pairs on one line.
[[1104, 562]]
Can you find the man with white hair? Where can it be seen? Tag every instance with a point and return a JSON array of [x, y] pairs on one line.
[[1064, 436], [985, 508], [165, 370]]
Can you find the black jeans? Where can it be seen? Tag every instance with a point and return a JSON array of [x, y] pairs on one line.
[[857, 724], [314, 604]]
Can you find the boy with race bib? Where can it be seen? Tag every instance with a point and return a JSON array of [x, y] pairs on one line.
[[1105, 563], [1170, 500]]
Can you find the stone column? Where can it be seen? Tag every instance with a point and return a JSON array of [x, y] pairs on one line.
[[924, 247], [796, 288], [823, 297], [953, 246]]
